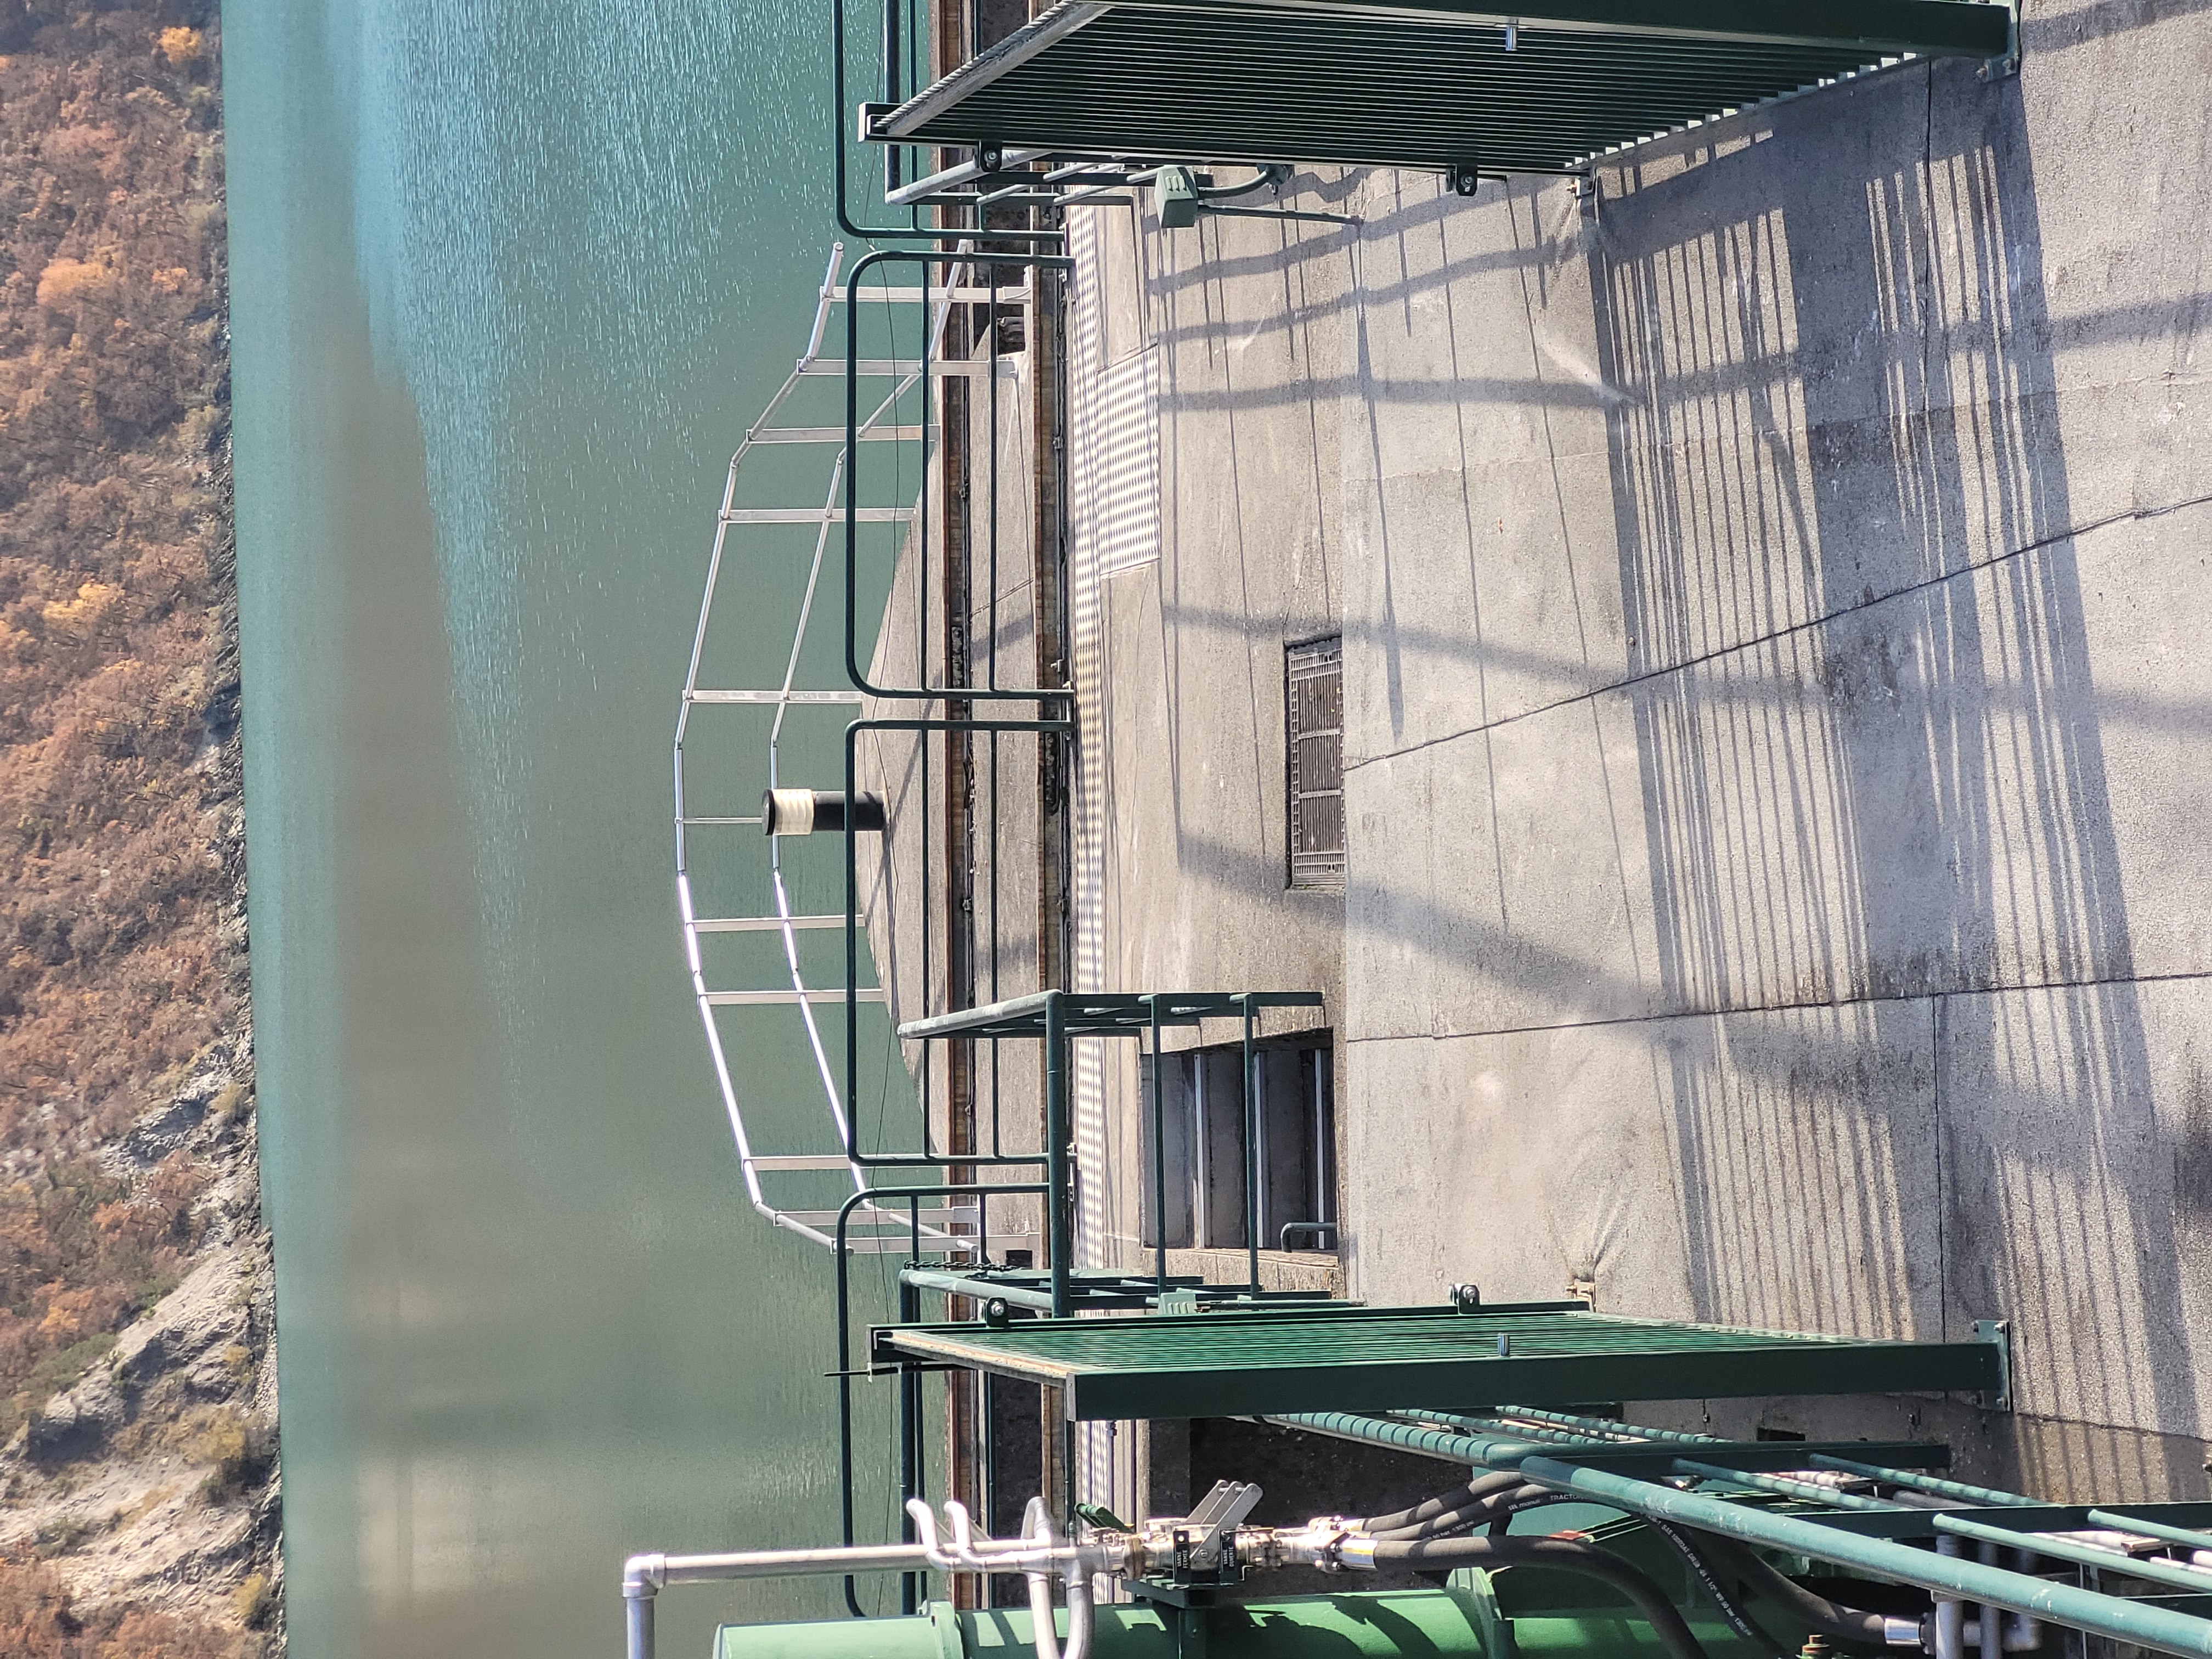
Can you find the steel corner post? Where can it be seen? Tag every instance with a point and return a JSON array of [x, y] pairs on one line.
[[1159, 1153], [1252, 1159], [642, 1577], [1061, 1223]]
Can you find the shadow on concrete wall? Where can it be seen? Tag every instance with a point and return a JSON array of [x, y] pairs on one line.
[[1841, 405]]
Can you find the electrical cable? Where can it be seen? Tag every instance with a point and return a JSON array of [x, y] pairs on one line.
[[1476, 1490], [1473, 1513], [1831, 1618], [1739, 1621]]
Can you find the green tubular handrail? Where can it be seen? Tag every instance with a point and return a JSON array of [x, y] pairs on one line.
[[2158, 1530], [2083, 1555], [1786, 1488], [1949, 1577], [1930, 1484]]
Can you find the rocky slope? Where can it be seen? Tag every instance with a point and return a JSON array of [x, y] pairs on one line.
[[151, 1484]]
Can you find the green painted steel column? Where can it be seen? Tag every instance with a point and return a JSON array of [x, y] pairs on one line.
[[1058, 1225], [1159, 1156], [1252, 1210]]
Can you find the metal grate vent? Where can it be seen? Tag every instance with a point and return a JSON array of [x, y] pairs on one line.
[[1315, 703]]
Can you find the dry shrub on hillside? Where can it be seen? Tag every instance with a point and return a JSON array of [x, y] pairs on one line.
[[38, 1622], [114, 969]]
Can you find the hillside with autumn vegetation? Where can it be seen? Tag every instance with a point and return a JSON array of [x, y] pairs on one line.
[[138, 1505]]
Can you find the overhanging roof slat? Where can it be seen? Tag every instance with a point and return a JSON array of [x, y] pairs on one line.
[[1426, 85], [1334, 1358], [1918, 26]]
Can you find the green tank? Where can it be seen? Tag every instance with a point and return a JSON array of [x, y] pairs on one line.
[[1423, 1624]]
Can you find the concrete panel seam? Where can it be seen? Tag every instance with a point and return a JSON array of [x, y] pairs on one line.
[[1775, 1008], [1980, 567]]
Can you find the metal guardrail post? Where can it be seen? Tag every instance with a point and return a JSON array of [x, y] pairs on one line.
[[1059, 1223], [1159, 1154], [1251, 1151], [911, 1451]]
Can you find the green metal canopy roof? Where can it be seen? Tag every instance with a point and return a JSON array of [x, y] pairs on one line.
[[1335, 1358], [1440, 85]]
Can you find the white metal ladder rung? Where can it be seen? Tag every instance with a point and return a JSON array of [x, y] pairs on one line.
[[836, 1161], [887, 1215], [816, 514], [899, 1245], [774, 999], [900, 368], [881, 293], [763, 924], [723, 696], [835, 435]]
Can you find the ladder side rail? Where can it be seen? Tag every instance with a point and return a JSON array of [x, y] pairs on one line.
[[833, 1095]]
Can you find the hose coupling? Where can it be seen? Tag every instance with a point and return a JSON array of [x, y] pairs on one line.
[[1332, 1543]]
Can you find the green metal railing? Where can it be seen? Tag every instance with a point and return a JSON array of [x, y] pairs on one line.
[[1054, 1018], [1833, 1534]]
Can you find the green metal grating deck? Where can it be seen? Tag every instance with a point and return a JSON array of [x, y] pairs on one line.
[[1343, 1358], [1436, 86]]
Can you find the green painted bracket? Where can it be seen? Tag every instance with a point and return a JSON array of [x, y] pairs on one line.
[[1997, 1332]]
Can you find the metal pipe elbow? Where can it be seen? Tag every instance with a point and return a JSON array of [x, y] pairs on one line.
[[1081, 1616], [644, 1575]]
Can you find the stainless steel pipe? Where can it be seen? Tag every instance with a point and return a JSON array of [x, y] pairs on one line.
[[644, 1576]]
